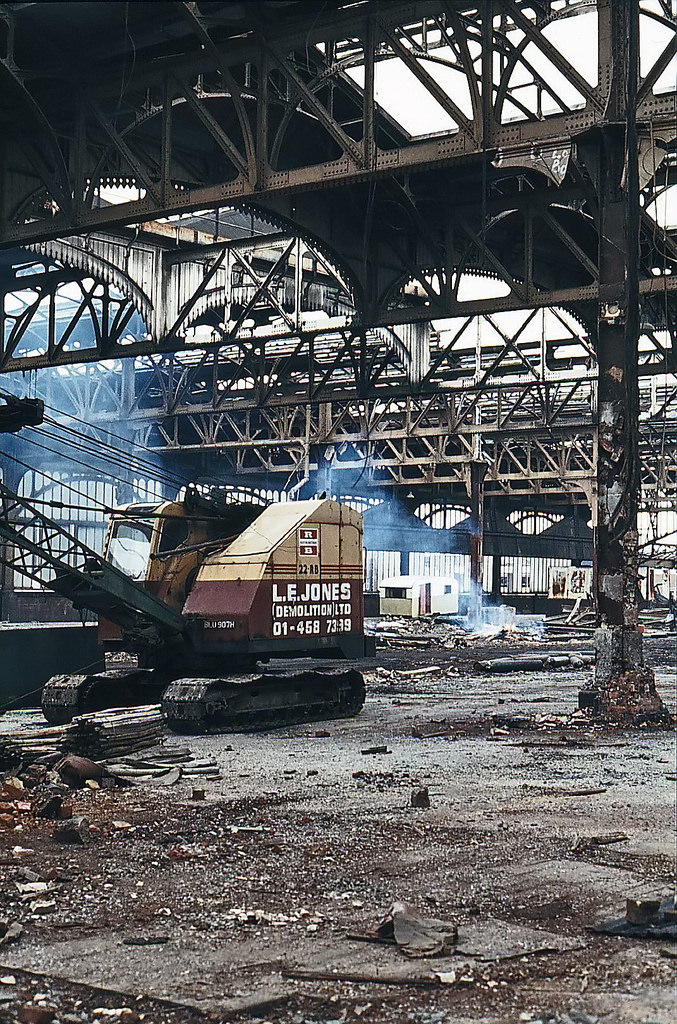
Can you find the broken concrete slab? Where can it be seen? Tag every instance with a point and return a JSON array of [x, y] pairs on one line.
[[415, 935], [571, 875], [504, 940]]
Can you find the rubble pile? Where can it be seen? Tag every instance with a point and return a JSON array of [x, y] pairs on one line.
[[99, 735], [44, 778], [241, 916], [44, 790], [415, 634], [13, 800], [581, 617], [631, 701], [657, 621], [439, 631], [577, 623], [40, 792], [575, 729]]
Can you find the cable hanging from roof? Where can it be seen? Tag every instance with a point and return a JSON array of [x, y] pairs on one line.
[[101, 449], [170, 478], [91, 500]]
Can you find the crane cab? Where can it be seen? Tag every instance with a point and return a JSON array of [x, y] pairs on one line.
[[159, 546]]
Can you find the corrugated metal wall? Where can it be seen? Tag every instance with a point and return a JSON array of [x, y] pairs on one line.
[[425, 563], [378, 565], [519, 575]]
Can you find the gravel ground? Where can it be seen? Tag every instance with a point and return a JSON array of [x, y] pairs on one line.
[[306, 841]]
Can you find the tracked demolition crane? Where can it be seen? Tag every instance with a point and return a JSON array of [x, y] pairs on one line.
[[191, 595]]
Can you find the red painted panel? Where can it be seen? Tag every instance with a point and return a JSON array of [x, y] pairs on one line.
[[225, 606], [289, 609], [108, 630]]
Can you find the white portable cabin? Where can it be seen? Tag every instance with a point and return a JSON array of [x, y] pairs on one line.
[[412, 596]]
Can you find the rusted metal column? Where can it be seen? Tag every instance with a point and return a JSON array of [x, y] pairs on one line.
[[623, 688], [478, 471], [619, 647], [618, 641]]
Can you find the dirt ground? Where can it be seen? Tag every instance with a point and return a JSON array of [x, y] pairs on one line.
[[306, 842]]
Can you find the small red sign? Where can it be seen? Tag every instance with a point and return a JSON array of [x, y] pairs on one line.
[[309, 541]]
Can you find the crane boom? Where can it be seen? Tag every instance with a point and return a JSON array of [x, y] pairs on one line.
[[38, 547]]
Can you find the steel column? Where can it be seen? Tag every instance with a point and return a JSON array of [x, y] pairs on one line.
[[478, 471], [620, 677], [619, 647]]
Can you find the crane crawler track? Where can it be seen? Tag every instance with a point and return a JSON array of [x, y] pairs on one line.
[[251, 703], [64, 697]]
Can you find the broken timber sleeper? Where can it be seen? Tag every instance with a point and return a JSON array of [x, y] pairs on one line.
[[417, 981], [538, 663]]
